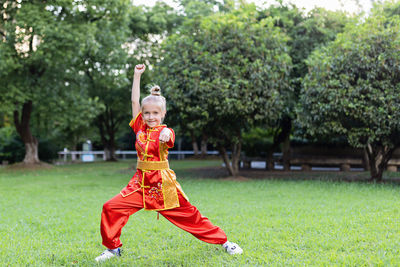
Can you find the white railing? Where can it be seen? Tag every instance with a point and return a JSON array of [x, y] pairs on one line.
[[75, 155]]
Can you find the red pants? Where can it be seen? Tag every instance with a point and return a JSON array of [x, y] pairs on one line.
[[117, 210]]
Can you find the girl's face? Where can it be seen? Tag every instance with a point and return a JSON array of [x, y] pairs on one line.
[[152, 114]]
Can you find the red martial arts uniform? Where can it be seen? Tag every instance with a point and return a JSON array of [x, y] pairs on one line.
[[154, 187]]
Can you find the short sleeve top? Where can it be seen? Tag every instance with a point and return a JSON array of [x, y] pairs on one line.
[[148, 145]]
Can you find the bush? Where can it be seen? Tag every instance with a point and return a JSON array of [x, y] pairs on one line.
[[12, 149], [47, 150], [256, 142]]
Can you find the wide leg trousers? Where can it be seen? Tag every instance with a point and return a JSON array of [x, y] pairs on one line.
[[117, 210]]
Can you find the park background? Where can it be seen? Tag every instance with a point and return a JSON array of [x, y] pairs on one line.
[[248, 81]]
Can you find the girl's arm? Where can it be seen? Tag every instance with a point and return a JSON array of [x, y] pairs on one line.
[[139, 69]]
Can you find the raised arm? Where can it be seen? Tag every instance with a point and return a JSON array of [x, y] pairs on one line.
[[139, 69]]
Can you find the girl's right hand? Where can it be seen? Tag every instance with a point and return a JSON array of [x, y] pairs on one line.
[[140, 68]]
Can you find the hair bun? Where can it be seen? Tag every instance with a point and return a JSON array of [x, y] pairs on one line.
[[155, 90]]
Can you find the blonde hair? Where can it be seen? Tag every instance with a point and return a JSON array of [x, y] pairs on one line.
[[156, 97]]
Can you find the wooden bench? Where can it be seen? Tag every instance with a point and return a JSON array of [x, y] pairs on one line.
[[307, 163], [344, 163]]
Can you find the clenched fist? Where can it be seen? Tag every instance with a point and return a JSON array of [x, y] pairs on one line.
[[139, 69], [165, 135]]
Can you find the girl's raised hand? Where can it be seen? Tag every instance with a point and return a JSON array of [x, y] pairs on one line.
[[140, 68]]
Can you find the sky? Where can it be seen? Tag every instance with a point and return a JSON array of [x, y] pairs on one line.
[[347, 5]]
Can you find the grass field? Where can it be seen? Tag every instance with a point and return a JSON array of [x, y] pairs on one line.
[[51, 217]]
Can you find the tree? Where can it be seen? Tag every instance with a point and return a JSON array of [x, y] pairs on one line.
[[307, 32], [223, 73], [38, 41], [123, 35], [104, 61], [352, 89]]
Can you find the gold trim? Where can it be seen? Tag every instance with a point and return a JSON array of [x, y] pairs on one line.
[[177, 206], [133, 120], [145, 156], [144, 200], [129, 193], [152, 165], [153, 129]]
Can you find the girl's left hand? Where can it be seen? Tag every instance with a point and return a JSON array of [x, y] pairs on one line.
[[165, 135]]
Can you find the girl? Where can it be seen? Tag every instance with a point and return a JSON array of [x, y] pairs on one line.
[[154, 185]]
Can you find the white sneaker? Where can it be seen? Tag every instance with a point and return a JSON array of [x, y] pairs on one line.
[[107, 254], [232, 248]]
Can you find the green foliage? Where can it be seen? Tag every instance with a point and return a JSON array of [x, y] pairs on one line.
[[306, 32], [223, 73], [103, 65], [38, 57], [256, 142], [389, 8], [73, 125], [198, 9], [353, 85], [5, 136], [11, 147], [277, 222], [147, 21]]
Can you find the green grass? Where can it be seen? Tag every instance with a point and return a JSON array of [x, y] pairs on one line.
[[51, 217]]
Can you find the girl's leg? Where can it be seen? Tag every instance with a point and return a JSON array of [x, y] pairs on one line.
[[188, 218], [115, 215]]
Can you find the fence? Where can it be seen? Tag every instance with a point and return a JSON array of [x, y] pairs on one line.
[[124, 154]]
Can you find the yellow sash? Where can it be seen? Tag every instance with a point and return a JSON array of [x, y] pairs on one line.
[[152, 165]]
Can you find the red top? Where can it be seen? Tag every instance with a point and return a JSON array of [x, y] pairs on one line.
[[159, 186], [147, 140]]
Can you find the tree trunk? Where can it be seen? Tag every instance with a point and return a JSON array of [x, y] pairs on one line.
[[378, 157], [225, 158], [110, 153], [366, 160], [281, 135], [286, 152], [23, 129], [194, 144], [107, 128], [204, 146], [236, 158], [32, 152], [270, 164]]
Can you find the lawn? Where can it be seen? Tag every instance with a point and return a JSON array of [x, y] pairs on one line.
[[51, 217]]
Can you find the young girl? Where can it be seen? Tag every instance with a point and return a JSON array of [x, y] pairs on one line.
[[154, 185]]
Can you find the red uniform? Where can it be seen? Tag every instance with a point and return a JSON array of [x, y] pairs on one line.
[[154, 187]]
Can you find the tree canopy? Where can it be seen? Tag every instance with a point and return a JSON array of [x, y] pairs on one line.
[[223, 73], [39, 41], [352, 89]]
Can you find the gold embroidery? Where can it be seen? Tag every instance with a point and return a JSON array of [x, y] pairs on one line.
[[155, 191], [141, 137]]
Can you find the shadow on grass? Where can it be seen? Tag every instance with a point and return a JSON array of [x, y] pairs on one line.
[[257, 174]]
